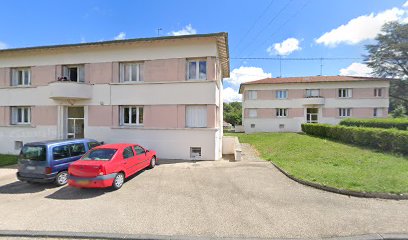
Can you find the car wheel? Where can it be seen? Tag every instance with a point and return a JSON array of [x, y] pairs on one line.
[[118, 181], [152, 162], [61, 179]]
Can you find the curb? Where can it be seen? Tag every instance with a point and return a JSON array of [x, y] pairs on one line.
[[343, 191], [90, 235]]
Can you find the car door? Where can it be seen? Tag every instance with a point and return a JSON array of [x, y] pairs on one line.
[[129, 163], [141, 157]]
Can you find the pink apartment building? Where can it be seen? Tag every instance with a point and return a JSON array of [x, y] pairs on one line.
[[283, 104], [164, 93]]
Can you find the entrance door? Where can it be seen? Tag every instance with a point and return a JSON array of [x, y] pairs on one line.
[[312, 115], [75, 122]]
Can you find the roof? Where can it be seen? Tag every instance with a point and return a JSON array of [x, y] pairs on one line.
[[221, 40], [115, 145], [313, 79]]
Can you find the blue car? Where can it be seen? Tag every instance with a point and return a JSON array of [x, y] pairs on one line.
[[48, 161]]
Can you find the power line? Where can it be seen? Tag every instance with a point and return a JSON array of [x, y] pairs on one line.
[[253, 25], [286, 22], [267, 25]]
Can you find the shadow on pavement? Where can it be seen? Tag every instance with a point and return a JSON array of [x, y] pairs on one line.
[[175, 161], [18, 187], [71, 193]]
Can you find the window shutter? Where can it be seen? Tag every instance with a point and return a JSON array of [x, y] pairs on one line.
[[65, 71], [141, 79], [14, 77], [81, 77], [121, 72], [13, 115], [196, 116]]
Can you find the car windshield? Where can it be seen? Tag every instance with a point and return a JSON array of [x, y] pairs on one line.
[[35, 153], [99, 154]]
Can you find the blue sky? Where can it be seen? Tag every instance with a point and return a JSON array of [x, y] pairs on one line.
[[291, 28]]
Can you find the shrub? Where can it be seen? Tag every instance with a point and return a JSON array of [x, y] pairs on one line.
[[398, 123], [390, 140]]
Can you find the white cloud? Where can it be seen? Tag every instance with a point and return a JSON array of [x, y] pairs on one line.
[[187, 30], [245, 74], [3, 45], [120, 36], [356, 69], [284, 48], [405, 4], [362, 28], [231, 95]]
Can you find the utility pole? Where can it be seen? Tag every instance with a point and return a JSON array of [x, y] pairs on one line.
[[158, 31]]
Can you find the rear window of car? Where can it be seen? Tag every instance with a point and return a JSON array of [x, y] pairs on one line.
[[35, 153], [93, 144], [103, 154]]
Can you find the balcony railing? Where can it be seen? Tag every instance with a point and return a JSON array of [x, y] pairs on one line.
[[70, 90], [313, 100]]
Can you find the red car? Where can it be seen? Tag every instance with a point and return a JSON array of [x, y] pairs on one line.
[[109, 165]]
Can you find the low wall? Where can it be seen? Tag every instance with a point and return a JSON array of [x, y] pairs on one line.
[[231, 146]]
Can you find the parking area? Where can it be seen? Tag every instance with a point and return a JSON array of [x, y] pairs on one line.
[[211, 199]]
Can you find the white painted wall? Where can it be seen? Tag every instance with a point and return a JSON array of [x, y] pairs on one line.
[[10, 134], [169, 144]]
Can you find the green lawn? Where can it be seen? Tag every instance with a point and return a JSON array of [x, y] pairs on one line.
[[7, 160], [332, 164]]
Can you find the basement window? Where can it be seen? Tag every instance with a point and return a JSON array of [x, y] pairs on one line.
[[195, 152], [252, 125]]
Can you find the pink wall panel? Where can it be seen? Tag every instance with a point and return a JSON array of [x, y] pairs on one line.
[[100, 115], [44, 115], [43, 75]]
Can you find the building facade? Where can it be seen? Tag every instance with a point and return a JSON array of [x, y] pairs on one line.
[[164, 93], [283, 104]]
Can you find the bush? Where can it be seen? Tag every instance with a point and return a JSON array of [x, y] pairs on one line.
[[398, 123], [390, 140]]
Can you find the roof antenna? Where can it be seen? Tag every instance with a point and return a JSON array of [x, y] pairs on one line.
[[280, 66], [321, 66], [158, 31]]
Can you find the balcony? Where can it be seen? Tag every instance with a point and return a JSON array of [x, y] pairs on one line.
[[70, 90], [313, 100]]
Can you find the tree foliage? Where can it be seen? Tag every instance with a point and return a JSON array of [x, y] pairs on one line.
[[233, 113], [389, 59]]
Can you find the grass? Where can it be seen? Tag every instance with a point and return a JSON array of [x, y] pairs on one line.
[[7, 160], [331, 163]]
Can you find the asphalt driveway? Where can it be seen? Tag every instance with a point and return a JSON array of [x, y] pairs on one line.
[[211, 199]]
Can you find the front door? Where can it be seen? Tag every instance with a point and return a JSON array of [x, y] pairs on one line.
[[75, 122], [312, 115]]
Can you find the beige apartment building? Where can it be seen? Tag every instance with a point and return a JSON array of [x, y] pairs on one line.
[[164, 93], [283, 104]]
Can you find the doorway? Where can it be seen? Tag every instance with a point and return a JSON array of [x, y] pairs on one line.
[[312, 115], [75, 122]]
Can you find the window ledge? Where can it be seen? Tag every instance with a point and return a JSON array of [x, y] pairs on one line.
[[19, 125], [17, 87], [153, 128]]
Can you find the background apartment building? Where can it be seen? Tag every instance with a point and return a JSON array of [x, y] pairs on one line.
[[164, 93], [283, 104]]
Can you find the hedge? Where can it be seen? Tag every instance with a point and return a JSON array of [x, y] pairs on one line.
[[398, 123], [390, 140]]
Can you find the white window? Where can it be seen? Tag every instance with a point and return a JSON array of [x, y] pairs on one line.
[[282, 94], [197, 70], [21, 77], [310, 93], [281, 112], [252, 113], [131, 72], [345, 92], [252, 95], [377, 92], [20, 115], [196, 116], [74, 73], [131, 115], [378, 112], [344, 112]]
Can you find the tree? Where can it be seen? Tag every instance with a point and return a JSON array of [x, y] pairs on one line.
[[233, 113], [389, 59], [399, 112]]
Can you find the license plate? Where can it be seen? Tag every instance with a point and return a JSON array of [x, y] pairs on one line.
[[82, 182], [30, 168]]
